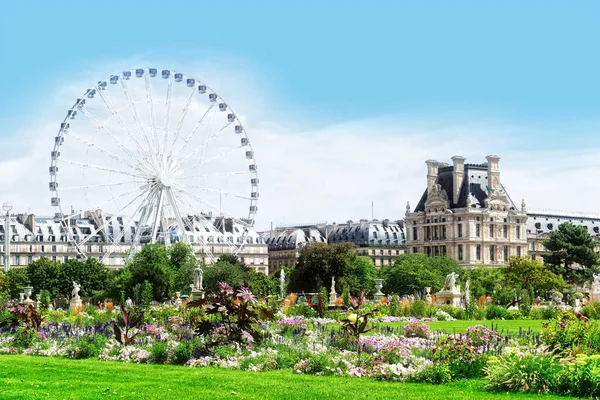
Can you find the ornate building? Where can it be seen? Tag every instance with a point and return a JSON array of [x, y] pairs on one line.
[[466, 214], [382, 241], [33, 237]]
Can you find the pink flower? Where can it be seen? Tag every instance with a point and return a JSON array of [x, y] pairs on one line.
[[246, 294], [225, 288]]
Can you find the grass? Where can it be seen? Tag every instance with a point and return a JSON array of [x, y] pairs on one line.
[[29, 377], [460, 326]]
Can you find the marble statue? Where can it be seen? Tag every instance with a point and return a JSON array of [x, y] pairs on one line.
[[282, 283], [198, 278], [75, 291], [467, 292], [450, 284], [333, 284]]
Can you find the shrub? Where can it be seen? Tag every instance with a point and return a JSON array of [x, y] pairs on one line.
[[419, 308], [513, 314], [571, 333], [464, 359], [301, 309], [455, 312], [581, 378], [435, 374], [159, 353], [529, 371], [495, 312], [592, 310]]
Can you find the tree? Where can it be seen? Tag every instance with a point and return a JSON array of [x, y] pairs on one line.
[[17, 279], [91, 274], [151, 264], [572, 254], [411, 273], [45, 274], [531, 275], [484, 280], [318, 263], [223, 271], [360, 275], [183, 262]]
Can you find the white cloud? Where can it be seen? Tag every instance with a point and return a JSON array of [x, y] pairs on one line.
[[333, 172]]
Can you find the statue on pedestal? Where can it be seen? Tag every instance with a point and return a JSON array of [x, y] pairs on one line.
[[332, 293], [75, 291], [282, 283]]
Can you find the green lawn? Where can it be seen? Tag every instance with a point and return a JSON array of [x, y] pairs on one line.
[[460, 326], [29, 377]]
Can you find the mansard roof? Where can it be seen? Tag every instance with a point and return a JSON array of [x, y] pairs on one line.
[[545, 223], [473, 185]]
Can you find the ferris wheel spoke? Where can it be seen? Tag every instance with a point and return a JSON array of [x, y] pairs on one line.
[[182, 189], [136, 117], [180, 221], [100, 185], [115, 113], [116, 242], [150, 103], [199, 124], [212, 190], [218, 156], [92, 166], [184, 113], [167, 113], [102, 127], [216, 174]]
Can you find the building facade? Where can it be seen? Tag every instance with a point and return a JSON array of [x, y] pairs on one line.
[[382, 241], [465, 213], [33, 237]]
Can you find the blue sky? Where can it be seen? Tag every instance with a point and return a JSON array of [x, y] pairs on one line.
[[526, 70]]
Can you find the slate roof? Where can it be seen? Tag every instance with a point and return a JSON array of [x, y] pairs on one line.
[[545, 223], [474, 184]]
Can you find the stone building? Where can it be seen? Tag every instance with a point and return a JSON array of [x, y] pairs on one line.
[[465, 213], [382, 241], [33, 237]]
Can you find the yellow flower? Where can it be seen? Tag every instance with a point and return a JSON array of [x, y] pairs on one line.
[[352, 318]]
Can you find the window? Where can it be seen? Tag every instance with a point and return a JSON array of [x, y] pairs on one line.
[[492, 249], [29, 259], [54, 248], [414, 233], [459, 230], [428, 251], [436, 250], [89, 249], [477, 230], [54, 258], [443, 250], [505, 231], [42, 248], [460, 252], [435, 232], [478, 252], [428, 233], [444, 232], [505, 253], [17, 260], [519, 251], [531, 246], [491, 230], [415, 250], [65, 259], [518, 232]]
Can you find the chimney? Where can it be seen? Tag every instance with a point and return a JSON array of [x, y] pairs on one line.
[[458, 173], [432, 174], [363, 222], [349, 223], [493, 172]]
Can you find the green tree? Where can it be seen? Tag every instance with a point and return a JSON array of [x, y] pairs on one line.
[[91, 274], [360, 275], [223, 271], [572, 254], [318, 263], [530, 275], [484, 280], [17, 279], [183, 262], [151, 264], [262, 284], [45, 274], [413, 272]]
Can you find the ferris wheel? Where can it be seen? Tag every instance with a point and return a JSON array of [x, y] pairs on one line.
[[152, 156]]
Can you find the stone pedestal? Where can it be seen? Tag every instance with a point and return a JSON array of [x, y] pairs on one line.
[[178, 301], [75, 303], [332, 297], [447, 298], [197, 294]]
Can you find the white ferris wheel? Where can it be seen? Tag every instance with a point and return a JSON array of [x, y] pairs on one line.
[[152, 156]]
